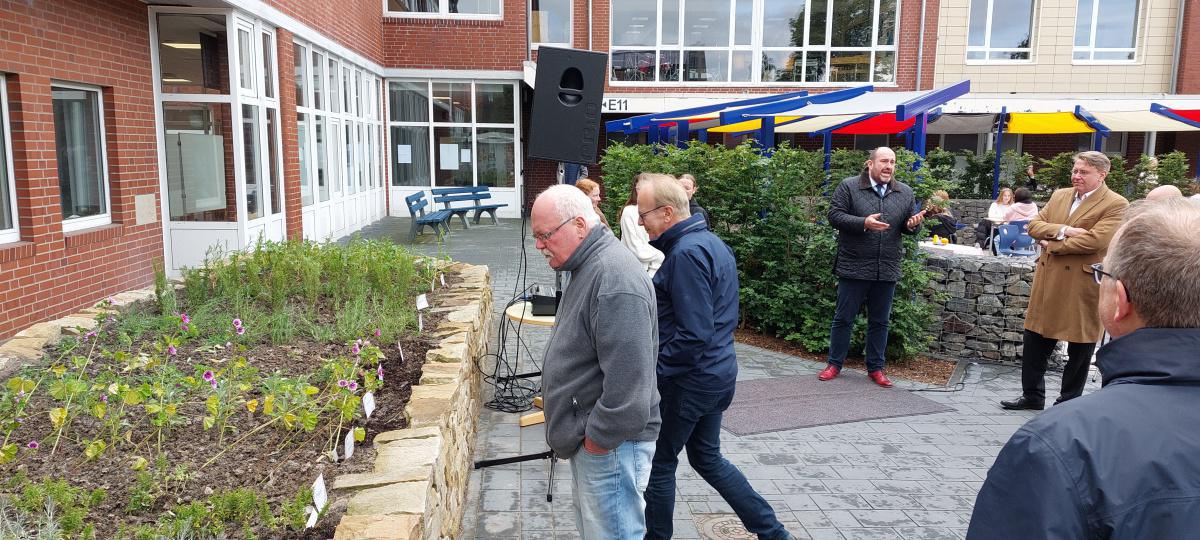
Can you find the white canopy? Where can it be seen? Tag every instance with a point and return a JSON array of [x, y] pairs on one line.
[[993, 103], [816, 123], [952, 124], [1140, 121], [870, 102]]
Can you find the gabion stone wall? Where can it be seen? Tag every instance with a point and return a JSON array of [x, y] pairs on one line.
[[981, 304]]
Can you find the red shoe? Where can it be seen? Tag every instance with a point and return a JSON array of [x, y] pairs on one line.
[[880, 378], [829, 373]]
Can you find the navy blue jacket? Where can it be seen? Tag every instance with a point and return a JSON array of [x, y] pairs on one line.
[[1123, 462], [697, 291]]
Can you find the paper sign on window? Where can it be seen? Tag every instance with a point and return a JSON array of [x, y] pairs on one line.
[[403, 153], [464, 155], [449, 157]]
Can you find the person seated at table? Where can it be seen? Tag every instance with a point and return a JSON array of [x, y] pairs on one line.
[[995, 216], [590, 188], [1024, 209], [944, 223]]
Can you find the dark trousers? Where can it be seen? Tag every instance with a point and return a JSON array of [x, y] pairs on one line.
[[1034, 357], [850, 296], [692, 420], [983, 233]]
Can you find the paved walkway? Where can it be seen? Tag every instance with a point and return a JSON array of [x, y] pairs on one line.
[[913, 477]]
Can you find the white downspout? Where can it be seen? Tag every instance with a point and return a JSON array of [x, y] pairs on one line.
[[921, 45], [1178, 44], [591, 22]]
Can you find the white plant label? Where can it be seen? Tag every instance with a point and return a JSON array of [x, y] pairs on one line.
[[422, 302], [401, 352], [443, 278], [420, 323], [368, 401], [333, 455], [348, 446], [312, 518], [320, 497]]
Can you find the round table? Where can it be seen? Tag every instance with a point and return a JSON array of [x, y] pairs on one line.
[[520, 312]]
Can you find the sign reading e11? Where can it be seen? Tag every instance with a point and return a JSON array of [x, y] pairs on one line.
[[614, 105]]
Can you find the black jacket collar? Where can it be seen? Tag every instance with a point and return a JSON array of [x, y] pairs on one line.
[[671, 236], [1152, 356]]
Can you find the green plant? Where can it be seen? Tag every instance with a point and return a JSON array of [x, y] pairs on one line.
[[62, 508]]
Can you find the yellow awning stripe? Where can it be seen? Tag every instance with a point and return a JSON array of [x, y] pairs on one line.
[[748, 125], [1046, 123]]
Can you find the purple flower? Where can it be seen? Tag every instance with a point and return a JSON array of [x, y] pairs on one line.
[[241, 330], [237, 323], [209, 376], [19, 421], [342, 383], [33, 445], [111, 319], [352, 386], [183, 327], [378, 332], [213, 384], [104, 398], [171, 350], [110, 300], [355, 349], [185, 318], [379, 373]]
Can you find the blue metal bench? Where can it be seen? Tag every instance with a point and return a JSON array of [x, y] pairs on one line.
[[439, 219], [474, 195]]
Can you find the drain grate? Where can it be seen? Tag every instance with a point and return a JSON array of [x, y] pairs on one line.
[[721, 527]]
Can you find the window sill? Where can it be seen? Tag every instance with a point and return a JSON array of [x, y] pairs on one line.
[[439, 19], [15, 251], [93, 235]]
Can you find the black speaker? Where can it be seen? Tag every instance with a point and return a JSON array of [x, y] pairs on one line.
[[565, 122]]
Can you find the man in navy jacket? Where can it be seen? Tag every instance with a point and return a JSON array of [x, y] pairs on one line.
[[1121, 462], [697, 291]]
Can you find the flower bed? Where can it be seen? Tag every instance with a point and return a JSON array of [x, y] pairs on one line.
[[210, 410]]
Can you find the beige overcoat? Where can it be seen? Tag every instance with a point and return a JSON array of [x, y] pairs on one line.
[[1062, 304]]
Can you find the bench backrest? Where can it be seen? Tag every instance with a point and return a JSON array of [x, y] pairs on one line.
[[416, 204], [460, 194]]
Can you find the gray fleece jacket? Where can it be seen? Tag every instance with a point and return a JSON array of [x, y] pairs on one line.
[[598, 375]]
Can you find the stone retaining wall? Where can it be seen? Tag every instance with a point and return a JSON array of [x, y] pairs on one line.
[[418, 488], [981, 308]]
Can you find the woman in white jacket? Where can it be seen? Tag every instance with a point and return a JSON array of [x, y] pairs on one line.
[[635, 237]]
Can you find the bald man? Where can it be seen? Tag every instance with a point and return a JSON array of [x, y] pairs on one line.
[[1163, 192]]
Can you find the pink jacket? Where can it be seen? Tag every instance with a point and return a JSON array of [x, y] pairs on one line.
[[1021, 212]]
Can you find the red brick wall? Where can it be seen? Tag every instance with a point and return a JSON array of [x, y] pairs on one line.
[[354, 24], [457, 44], [106, 44]]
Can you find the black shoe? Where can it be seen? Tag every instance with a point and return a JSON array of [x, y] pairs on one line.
[[1062, 399], [1023, 403]]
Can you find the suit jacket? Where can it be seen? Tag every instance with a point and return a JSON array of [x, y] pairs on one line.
[[1062, 304]]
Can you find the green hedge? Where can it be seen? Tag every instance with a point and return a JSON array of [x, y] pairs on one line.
[[771, 212]]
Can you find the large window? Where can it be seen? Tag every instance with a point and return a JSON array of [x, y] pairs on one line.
[[337, 124], [1000, 30], [466, 9], [82, 166], [193, 54], [452, 133], [550, 22], [753, 41], [9, 231], [1106, 30]]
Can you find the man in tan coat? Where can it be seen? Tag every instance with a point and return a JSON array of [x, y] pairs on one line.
[[1074, 230]]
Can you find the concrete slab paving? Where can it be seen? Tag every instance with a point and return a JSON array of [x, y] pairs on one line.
[[907, 478]]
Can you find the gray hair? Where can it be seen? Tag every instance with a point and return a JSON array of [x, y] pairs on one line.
[[1156, 254], [569, 202], [666, 191], [1095, 159]]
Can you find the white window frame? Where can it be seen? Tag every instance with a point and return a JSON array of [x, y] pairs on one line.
[[99, 220], [986, 48], [444, 13], [1122, 135], [1091, 48], [474, 125], [756, 49], [534, 45], [14, 234]]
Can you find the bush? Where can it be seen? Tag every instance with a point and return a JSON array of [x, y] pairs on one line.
[[771, 213]]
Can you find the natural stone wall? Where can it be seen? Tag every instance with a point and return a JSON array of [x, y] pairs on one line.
[[419, 485], [980, 302], [970, 211]]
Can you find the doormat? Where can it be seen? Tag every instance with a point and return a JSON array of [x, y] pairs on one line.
[[783, 403]]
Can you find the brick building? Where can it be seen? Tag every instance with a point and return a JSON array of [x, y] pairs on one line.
[[134, 134]]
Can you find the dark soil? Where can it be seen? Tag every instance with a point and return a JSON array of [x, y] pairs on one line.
[[922, 368], [276, 463]]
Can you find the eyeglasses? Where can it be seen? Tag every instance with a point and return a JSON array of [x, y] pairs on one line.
[[1098, 274], [545, 237], [643, 215]]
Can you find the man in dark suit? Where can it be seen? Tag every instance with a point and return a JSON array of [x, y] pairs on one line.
[[869, 211]]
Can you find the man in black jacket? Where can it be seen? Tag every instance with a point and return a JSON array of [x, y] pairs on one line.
[[1120, 462], [869, 212]]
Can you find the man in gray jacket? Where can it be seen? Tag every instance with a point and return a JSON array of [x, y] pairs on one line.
[[869, 212], [598, 377]]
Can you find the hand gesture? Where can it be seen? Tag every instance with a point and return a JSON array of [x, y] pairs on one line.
[[872, 223], [914, 221]]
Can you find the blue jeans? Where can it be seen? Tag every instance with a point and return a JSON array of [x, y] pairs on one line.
[[692, 420], [850, 296], [608, 491]]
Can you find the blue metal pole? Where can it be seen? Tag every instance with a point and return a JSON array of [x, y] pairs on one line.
[[766, 137], [828, 145], [1097, 141], [682, 134], [702, 136], [998, 146]]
